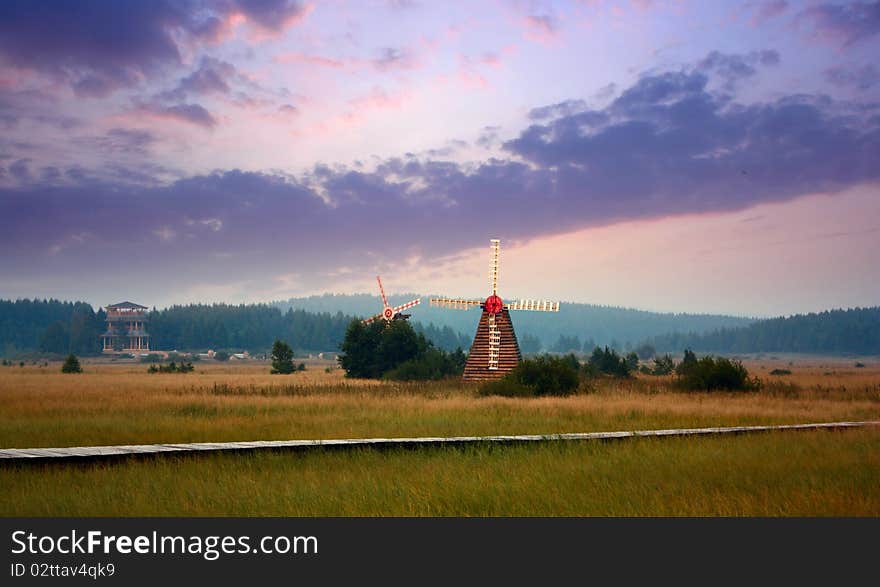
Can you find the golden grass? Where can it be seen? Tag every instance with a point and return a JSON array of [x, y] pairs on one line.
[[122, 404], [803, 473]]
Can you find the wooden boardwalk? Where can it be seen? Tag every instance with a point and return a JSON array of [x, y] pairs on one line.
[[72, 453]]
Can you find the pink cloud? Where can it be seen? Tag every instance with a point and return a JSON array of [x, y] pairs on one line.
[[469, 69], [541, 28], [767, 11], [378, 99], [316, 60], [357, 111], [642, 5]]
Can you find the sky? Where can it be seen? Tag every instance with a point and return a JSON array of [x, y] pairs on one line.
[[680, 155]]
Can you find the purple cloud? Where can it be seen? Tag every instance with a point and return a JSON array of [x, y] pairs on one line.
[[769, 10], [195, 114], [210, 78], [272, 15], [862, 78], [733, 68], [556, 110], [121, 140], [99, 46], [845, 24], [666, 145]]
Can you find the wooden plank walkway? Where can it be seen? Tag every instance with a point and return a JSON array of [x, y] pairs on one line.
[[13, 455]]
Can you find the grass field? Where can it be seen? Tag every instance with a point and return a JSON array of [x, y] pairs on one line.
[[804, 473]]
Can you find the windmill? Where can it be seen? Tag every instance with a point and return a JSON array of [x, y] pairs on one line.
[[388, 313], [495, 350]]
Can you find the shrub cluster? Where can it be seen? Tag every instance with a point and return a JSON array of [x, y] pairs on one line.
[[433, 364], [780, 372], [172, 367], [712, 373], [542, 375]]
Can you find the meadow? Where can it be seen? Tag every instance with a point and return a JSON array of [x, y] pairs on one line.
[[803, 473]]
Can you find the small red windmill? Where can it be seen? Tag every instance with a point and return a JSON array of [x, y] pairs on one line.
[[495, 350], [388, 313]]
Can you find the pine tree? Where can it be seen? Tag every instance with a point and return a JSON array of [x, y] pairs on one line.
[[282, 358], [71, 365]]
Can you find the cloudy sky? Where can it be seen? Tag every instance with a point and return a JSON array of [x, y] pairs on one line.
[[673, 155]]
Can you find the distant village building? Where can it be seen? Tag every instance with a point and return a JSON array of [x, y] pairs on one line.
[[126, 329]]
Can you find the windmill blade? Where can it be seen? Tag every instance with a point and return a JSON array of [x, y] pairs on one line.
[[372, 318], [533, 305], [493, 265], [455, 304], [382, 290], [407, 305]]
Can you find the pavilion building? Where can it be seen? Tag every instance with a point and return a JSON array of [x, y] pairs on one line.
[[126, 329]]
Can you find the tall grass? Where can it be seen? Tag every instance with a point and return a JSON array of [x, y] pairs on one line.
[[775, 474]]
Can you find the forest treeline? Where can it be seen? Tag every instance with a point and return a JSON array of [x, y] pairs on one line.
[[853, 331], [55, 326]]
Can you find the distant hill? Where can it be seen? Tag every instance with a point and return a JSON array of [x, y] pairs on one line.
[[591, 324], [854, 331]]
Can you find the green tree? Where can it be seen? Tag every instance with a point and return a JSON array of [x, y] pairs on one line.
[[71, 365], [607, 362], [372, 350], [399, 343], [282, 358], [359, 348]]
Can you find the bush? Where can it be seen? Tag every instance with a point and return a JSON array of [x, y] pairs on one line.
[[221, 356], [171, 367], [71, 365], [433, 364], [543, 375], [860, 365], [780, 372], [710, 373]]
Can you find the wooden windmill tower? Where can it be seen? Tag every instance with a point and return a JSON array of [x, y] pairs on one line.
[[388, 313], [495, 350]]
